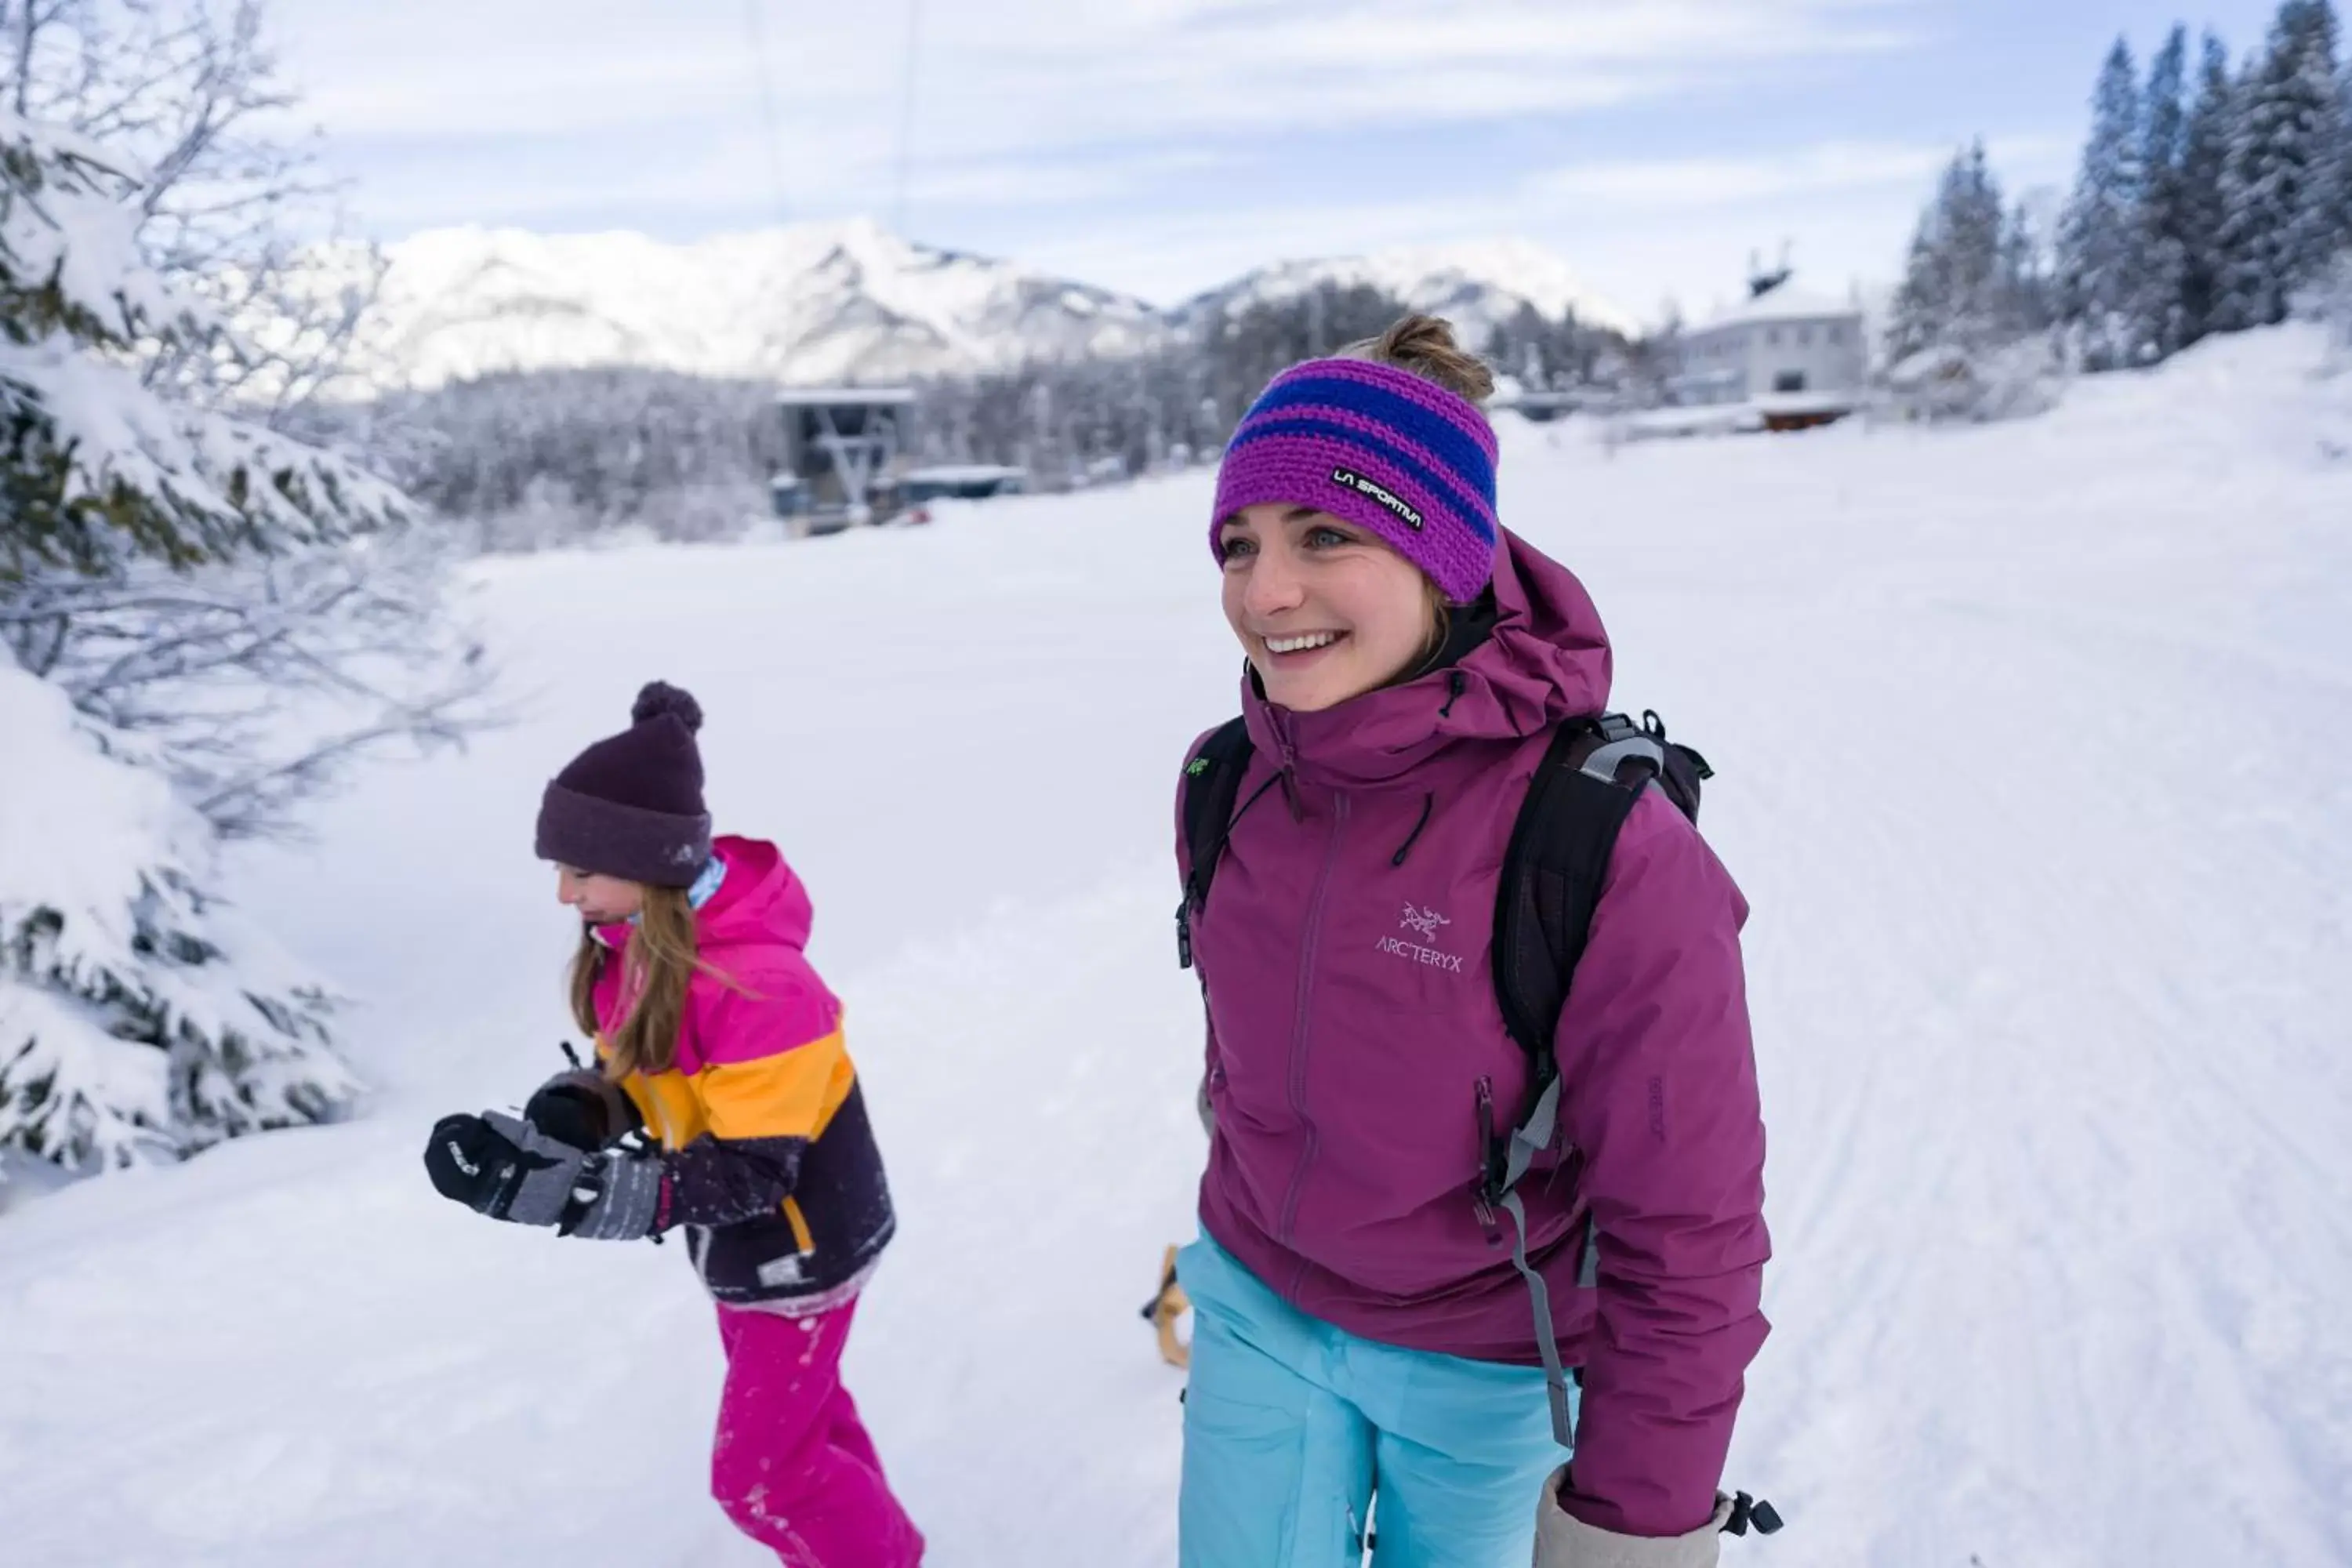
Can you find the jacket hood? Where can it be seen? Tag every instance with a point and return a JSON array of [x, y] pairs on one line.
[[762, 903]]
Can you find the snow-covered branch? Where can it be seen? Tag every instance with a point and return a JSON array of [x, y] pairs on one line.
[[139, 1018], [255, 686]]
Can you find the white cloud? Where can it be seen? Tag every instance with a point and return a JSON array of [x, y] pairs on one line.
[[1822, 167], [1639, 232], [1013, 181], [1035, 77]]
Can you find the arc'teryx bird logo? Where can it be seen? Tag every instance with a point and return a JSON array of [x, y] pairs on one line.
[[1425, 921], [1423, 924]]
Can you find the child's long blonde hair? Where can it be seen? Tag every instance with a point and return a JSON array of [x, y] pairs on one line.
[[656, 966]]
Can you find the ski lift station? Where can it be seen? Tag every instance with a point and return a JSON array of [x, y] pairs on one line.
[[846, 461]]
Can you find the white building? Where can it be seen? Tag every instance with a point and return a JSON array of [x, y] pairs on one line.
[[1797, 358]]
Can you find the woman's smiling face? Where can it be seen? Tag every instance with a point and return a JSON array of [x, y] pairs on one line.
[[1325, 609]]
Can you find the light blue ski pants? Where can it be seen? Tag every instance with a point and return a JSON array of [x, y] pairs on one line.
[[1292, 1426]]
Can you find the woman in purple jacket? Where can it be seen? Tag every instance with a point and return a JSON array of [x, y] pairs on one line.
[[1359, 1328]]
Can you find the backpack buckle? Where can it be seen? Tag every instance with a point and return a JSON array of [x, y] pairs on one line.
[[1491, 1188], [1488, 1194], [1494, 1158], [1750, 1511], [1615, 727]]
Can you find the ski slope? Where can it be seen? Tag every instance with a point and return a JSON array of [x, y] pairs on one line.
[[2034, 745]]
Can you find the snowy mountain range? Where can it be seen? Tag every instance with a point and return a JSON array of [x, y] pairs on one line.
[[845, 301], [1475, 285]]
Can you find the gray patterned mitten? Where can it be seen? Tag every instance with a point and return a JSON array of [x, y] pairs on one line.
[[502, 1166]]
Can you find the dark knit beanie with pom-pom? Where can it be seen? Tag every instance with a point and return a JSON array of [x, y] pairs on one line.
[[631, 805]]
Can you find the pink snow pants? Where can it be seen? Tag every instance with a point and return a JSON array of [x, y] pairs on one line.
[[792, 1465]]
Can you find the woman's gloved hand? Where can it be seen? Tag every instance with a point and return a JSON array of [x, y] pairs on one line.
[[1564, 1541]]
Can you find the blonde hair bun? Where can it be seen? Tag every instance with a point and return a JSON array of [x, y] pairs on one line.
[[1425, 345]]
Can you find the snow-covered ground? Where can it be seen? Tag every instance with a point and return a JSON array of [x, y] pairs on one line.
[[2034, 744]]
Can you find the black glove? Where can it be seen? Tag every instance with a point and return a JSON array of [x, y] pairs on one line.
[[503, 1167], [581, 1108]]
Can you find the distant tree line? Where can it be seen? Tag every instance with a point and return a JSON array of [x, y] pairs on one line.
[[525, 460]]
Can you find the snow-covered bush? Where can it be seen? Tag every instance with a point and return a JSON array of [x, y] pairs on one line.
[[1946, 383], [139, 1015], [252, 684]]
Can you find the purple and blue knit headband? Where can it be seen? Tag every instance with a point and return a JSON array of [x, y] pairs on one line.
[[1383, 449]]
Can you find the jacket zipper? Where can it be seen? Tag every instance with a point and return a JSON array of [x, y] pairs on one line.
[[803, 1239], [1298, 1037], [1487, 1219]]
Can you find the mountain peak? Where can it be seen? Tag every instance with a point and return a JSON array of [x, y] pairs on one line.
[[846, 300], [1475, 283]]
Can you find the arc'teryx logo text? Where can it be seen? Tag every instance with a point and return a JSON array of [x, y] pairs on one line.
[[1424, 923]]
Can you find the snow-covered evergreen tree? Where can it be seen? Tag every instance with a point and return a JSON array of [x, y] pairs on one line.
[[139, 1015], [1543, 352], [1968, 339], [2027, 303], [2280, 224], [2339, 184], [1956, 288], [2158, 314], [139, 1018], [2100, 284], [99, 469], [2204, 153], [2319, 228]]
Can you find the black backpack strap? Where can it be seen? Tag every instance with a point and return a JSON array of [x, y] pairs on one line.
[[1213, 779], [1582, 790], [1552, 872]]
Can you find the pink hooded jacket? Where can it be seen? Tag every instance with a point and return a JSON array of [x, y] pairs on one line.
[[1353, 1027]]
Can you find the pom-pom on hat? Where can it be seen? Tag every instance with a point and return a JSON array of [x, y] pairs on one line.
[[631, 805]]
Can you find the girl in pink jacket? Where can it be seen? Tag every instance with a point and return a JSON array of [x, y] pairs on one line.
[[724, 1108]]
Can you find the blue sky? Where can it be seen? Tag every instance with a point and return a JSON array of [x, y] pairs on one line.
[[1162, 146]]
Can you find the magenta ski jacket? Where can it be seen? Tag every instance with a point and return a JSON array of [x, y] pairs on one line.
[[1354, 1032]]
